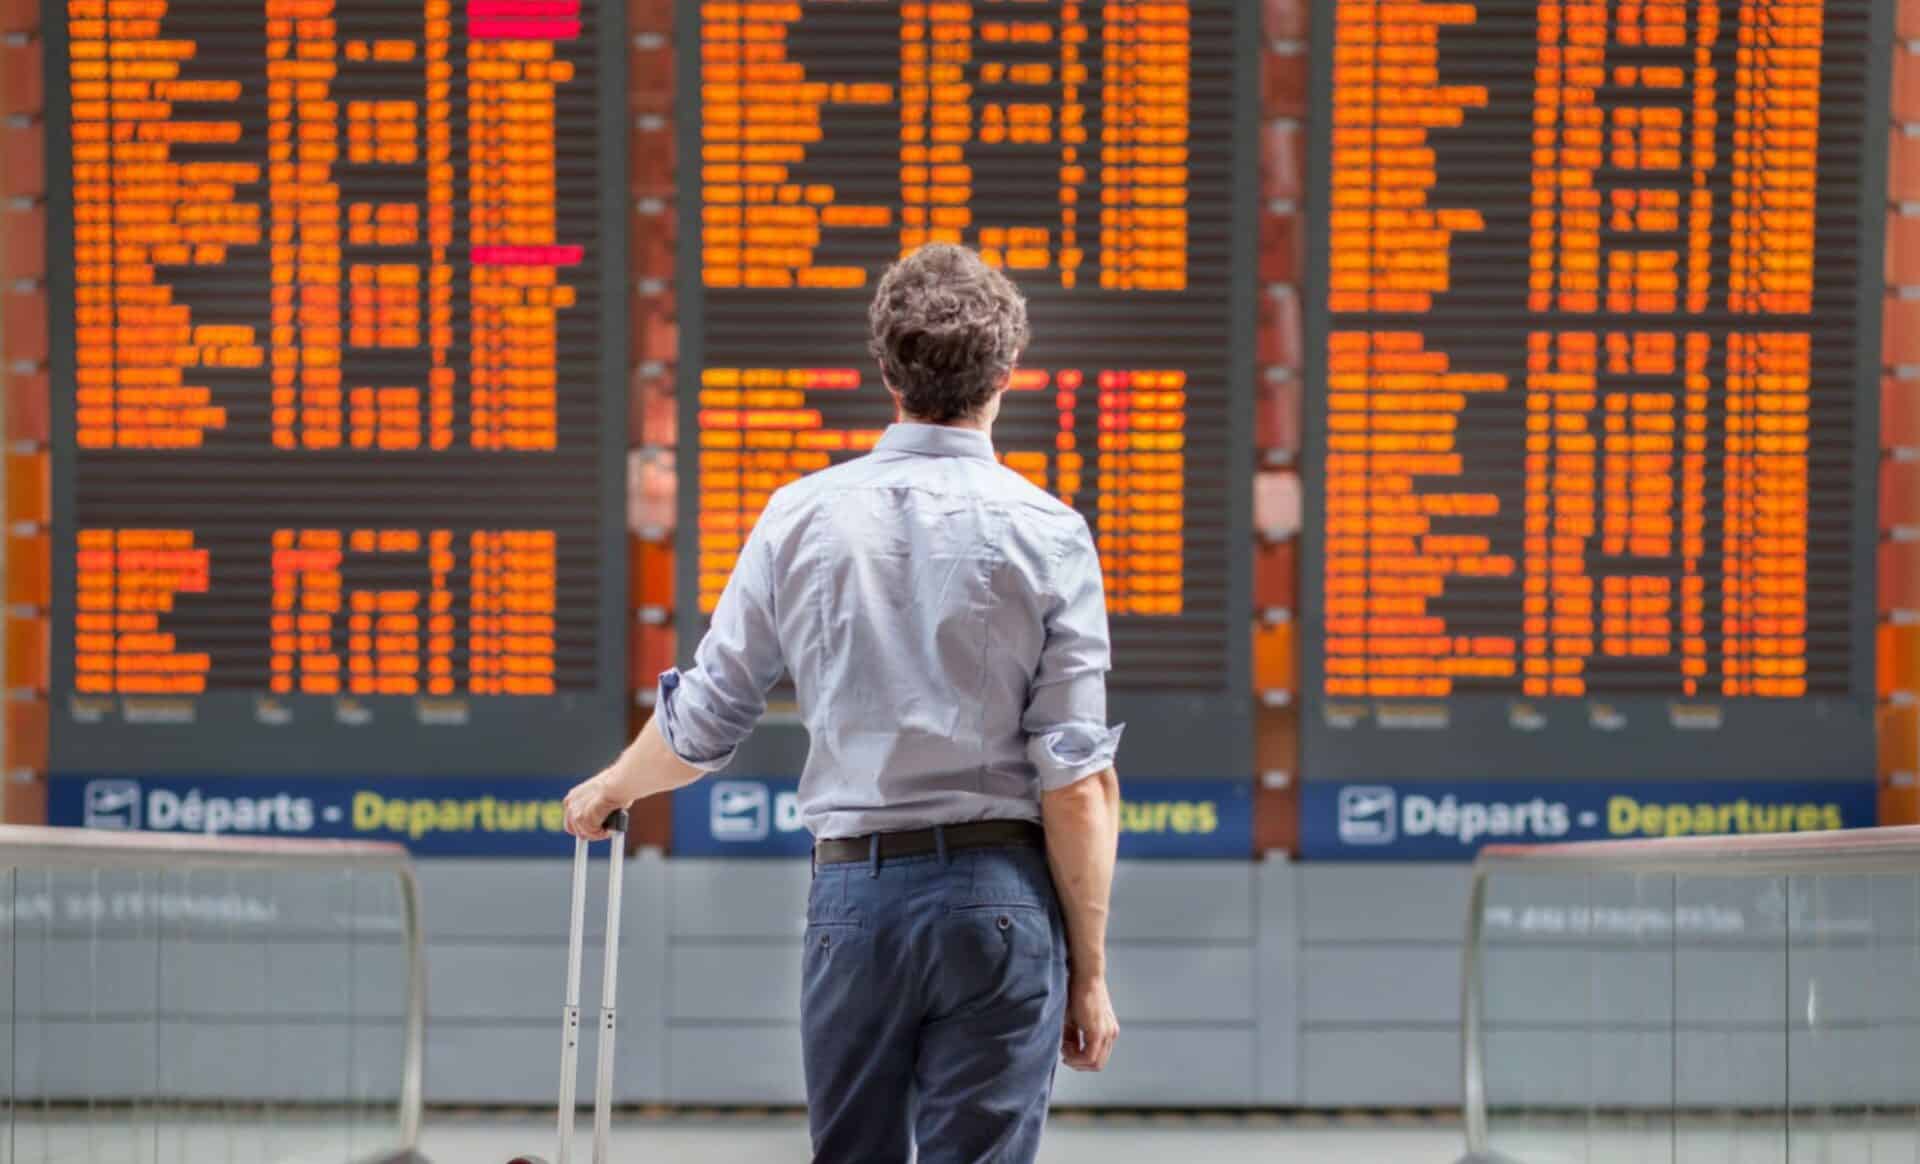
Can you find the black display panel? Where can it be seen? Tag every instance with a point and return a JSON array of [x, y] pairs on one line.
[[1102, 154], [339, 386], [1593, 377]]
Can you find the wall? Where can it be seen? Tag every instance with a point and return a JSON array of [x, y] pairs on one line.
[[1238, 985]]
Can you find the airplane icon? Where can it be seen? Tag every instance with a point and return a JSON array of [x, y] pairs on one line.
[[1367, 815], [111, 804], [740, 811]]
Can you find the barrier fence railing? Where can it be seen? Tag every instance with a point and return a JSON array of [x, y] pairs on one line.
[[1750, 999], [178, 998]]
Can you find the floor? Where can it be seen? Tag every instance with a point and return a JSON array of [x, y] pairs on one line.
[[1071, 1139], [1257, 1139], [462, 1138], [124, 1137]]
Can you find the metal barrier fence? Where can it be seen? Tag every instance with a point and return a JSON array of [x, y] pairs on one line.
[[180, 998], [1751, 999]]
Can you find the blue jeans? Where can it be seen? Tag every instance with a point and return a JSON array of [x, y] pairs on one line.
[[932, 999]]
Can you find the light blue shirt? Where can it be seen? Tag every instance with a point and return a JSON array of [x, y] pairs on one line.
[[945, 626]]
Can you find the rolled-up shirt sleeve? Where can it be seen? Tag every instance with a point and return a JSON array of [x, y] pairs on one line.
[[1066, 716], [707, 710]]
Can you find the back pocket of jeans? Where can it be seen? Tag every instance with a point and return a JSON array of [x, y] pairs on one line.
[[836, 973], [1002, 931], [825, 936], [833, 947]]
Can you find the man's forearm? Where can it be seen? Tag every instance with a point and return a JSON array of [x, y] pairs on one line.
[[649, 767], [1083, 837]]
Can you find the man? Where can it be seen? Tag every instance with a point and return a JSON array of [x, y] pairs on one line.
[[945, 626]]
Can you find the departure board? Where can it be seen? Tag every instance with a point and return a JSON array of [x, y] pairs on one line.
[[339, 381], [1595, 370], [1099, 152]]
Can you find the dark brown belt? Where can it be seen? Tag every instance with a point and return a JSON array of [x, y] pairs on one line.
[[985, 834]]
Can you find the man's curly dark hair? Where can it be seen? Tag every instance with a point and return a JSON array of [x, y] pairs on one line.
[[947, 329]]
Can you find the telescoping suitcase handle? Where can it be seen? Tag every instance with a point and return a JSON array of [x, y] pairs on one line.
[[570, 1013]]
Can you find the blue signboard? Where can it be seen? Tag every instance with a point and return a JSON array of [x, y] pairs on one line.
[[754, 817], [442, 817], [1444, 821], [433, 816]]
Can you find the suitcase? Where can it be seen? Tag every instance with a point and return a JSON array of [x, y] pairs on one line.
[[570, 1013]]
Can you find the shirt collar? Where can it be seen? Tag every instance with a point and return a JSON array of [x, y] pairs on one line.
[[935, 440]]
